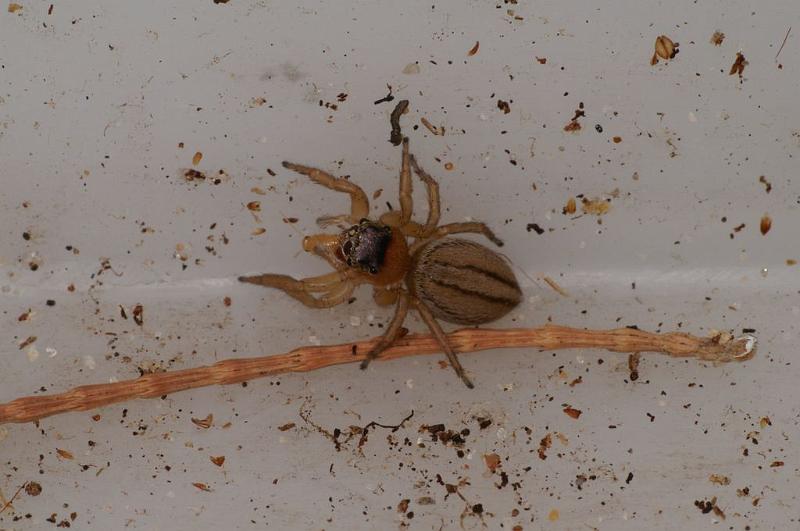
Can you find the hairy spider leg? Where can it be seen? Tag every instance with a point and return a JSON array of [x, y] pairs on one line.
[[359, 204], [336, 287], [440, 336], [389, 337], [458, 228]]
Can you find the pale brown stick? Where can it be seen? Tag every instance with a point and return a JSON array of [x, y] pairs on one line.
[[550, 337]]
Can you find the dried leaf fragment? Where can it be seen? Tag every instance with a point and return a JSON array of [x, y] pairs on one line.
[[665, 49], [717, 38], [438, 131], [287, 426], [719, 479], [254, 206], [572, 412], [217, 460], [29, 341], [474, 49], [504, 106], [738, 65], [492, 461], [197, 158], [258, 231], [596, 206], [402, 507], [204, 423], [32, 488], [13, 7], [202, 486], [764, 422], [570, 207], [766, 224], [64, 454], [544, 445], [138, 314]]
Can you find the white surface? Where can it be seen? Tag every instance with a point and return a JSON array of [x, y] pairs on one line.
[[94, 100]]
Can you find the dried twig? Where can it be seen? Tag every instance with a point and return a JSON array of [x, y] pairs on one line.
[[551, 337], [783, 43], [396, 137]]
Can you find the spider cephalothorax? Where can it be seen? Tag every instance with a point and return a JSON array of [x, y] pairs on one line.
[[456, 280], [364, 245]]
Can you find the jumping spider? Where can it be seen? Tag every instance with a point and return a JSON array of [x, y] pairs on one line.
[[452, 279]]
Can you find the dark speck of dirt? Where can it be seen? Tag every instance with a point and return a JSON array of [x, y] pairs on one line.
[[535, 227]]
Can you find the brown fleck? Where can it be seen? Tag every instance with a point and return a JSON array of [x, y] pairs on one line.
[[576, 381], [717, 38], [544, 445], [448, 166], [64, 454], [617, 139], [138, 314], [290, 220], [572, 412], [574, 126], [218, 460], [402, 507], [257, 190], [553, 515], [492, 461], [32, 488], [13, 7], [474, 49], [258, 231], [226, 301], [596, 206], [27, 342], [194, 175], [197, 158], [764, 422], [776, 464], [719, 479], [25, 316], [570, 207], [766, 224], [377, 193], [738, 65], [791, 261], [504, 106], [633, 366], [203, 486], [96, 418], [542, 60], [767, 185], [254, 206], [204, 423], [287, 426], [258, 102]]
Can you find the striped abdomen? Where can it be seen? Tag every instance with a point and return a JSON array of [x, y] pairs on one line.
[[463, 282]]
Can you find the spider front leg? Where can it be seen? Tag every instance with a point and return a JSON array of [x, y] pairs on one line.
[[406, 202], [359, 204], [434, 206], [392, 331], [335, 287]]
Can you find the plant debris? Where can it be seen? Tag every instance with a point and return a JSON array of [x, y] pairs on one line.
[[218, 460], [665, 49], [138, 314], [574, 126], [738, 65], [389, 97], [204, 423], [474, 49], [570, 207], [572, 412], [717, 38], [633, 366], [396, 137], [766, 224]]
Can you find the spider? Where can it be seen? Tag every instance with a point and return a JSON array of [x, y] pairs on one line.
[[452, 279]]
